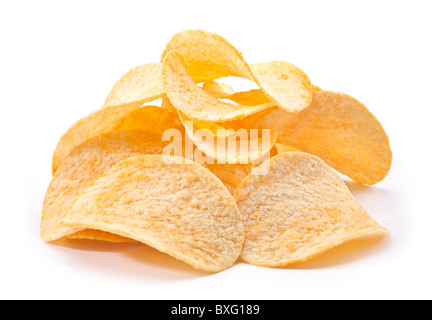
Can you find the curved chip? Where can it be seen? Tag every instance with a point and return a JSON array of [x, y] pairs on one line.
[[180, 209], [221, 90], [300, 209], [96, 123], [231, 175], [208, 56], [286, 85], [194, 56], [92, 234], [166, 104], [281, 148], [252, 97], [218, 89], [150, 118], [84, 164], [316, 88], [225, 128], [141, 84], [194, 101], [227, 145], [338, 129]]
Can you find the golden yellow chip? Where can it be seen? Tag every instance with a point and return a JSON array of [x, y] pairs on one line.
[[194, 56], [216, 129], [251, 97], [92, 234], [166, 104], [225, 128], [194, 101], [231, 175], [300, 209], [100, 121], [222, 90], [180, 209], [218, 89], [286, 85], [149, 118], [84, 164], [338, 129], [141, 84], [281, 148], [226, 145], [208, 56]]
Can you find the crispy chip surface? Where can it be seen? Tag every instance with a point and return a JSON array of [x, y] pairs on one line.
[[150, 118], [179, 209], [231, 175], [195, 56], [287, 85], [338, 129], [124, 117], [98, 122], [84, 164], [141, 84], [208, 56], [194, 101], [227, 145], [300, 209]]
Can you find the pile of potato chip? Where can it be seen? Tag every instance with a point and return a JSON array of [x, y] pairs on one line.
[[134, 172]]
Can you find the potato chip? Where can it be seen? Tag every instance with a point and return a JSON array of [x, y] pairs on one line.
[[231, 175], [194, 56], [218, 89], [180, 209], [288, 86], [252, 97], [150, 118], [92, 234], [194, 101], [221, 90], [225, 128], [84, 164], [166, 104], [208, 56], [217, 130], [300, 209], [98, 122], [227, 145], [338, 129], [281, 148], [141, 84]]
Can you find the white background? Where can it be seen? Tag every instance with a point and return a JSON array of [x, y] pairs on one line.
[[59, 60]]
